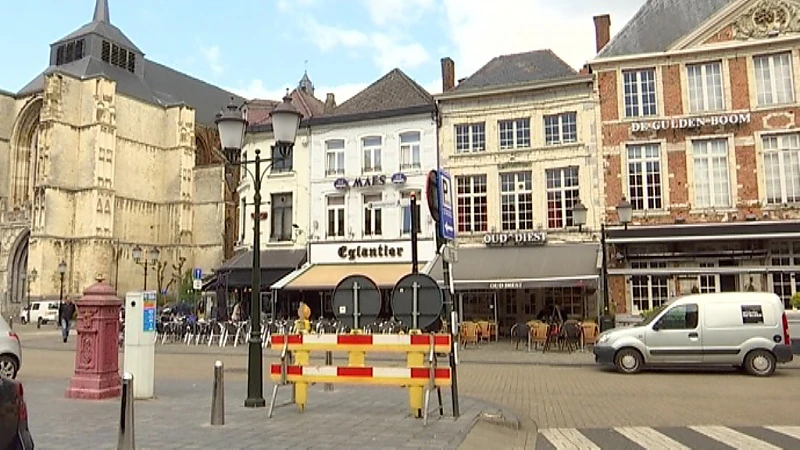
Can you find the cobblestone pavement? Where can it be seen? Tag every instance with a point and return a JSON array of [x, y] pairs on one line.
[[549, 391], [179, 419]]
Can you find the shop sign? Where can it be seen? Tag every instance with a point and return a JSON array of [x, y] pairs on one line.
[[692, 122], [368, 252], [351, 253], [529, 238], [506, 285], [365, 182]]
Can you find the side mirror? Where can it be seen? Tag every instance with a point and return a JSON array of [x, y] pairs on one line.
[[656, 326]]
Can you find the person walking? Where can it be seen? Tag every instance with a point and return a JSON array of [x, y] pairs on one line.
[[65, 313]]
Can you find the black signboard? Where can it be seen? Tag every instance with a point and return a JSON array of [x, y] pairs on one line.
[[752, 314]]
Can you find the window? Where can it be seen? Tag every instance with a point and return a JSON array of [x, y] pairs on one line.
[[336, 216], [516, 201], [644, 177], [649, 291], [371, 148], [561, 128], [562, 194], [409, 150], [334, 157], [705, 87], [782, 168], [71, 51], [471, 199], [515, 133], [406, 196], [568, 299], [281, 217], [711, 183], [372, 215], [470, 138], [640, 92], [280, 163], [785, 284], [774, 79], [118, 56], [682, 317], [707, 282]]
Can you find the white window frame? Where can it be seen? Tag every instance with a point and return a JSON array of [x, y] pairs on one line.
[[719, 191], [516, 201], [644, 163], [636, 90], [371, 151], [651, 284], [561, 128], [373, 217], [410, 150], [785, 284], [781, 177], [706, 87], [708, 282], [334, 157], [405, 213], [336, 204], [520, 130], [478, 221], [470, 137], [568, 195], [770, 90]]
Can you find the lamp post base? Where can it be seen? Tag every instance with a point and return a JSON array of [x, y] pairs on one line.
[[255, 403]]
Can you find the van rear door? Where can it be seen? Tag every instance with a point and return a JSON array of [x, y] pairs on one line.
[[729, 326]]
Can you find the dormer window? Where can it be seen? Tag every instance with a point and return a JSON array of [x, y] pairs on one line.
[[71, 51], [118, 56]]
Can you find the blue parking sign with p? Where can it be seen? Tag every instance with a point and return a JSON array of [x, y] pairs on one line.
[[446, 221]]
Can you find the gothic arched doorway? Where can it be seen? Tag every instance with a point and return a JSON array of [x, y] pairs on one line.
[[17, 270], [24, 159]]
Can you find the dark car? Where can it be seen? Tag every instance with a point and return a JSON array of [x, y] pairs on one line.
[[14, 433]]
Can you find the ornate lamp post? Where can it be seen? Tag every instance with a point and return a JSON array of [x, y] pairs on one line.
[[232, 127], [151, 260], [31, 278], [579, 215], [625, 215], [62, 270]]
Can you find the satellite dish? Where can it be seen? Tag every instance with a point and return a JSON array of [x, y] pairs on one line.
[[429, 301], [356, 301]]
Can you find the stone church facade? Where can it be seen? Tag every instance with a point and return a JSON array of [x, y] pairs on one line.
[[104, 151]]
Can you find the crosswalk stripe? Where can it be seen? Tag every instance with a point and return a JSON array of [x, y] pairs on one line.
[[650, 438], [788, 431], [733, 438], [568, 438]]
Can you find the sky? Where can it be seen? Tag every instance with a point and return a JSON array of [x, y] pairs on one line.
[[258, 48]]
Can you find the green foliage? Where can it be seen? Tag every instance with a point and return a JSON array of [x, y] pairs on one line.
[[647, 313], [796, 300], [186, 292]]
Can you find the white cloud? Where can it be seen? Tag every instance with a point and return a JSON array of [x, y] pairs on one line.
[[389, 50], [213, 58], [564, 27], [388, 12]]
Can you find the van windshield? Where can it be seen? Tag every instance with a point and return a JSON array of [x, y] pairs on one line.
[[654, 314]]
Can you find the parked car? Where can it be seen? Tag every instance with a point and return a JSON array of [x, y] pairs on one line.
[[10, 351], [748, 330], [42, 312], [14, 432]]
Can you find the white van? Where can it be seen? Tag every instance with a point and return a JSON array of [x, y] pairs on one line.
[[748, 330], [42, 312]]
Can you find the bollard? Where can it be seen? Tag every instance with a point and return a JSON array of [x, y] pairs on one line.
[[126, 432], [415, 393], [328, 362], [218, 395]]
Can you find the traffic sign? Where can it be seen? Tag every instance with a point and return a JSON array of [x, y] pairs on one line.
[[197, 284], [356, 301], [197, 273], [446, 222], [417, 301]]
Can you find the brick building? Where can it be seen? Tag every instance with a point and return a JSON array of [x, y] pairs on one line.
[[699, 132]]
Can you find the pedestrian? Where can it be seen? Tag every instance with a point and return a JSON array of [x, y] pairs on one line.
[[65, 313]]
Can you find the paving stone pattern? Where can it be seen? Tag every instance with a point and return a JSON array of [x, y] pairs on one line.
[[349, 417]]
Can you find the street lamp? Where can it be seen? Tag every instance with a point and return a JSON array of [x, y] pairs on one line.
[[62, 270], [151, 260], [625, 212], [31, 278], [579, 215], [232, 127]]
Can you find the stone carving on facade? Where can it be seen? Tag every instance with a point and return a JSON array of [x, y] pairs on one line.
[[767, 18]]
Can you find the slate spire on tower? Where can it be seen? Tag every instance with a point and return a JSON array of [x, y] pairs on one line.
[[101, 11]]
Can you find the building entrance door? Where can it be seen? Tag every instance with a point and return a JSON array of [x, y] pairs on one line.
[[728, 282]]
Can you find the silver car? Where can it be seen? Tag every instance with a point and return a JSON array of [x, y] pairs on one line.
[[10, 351]]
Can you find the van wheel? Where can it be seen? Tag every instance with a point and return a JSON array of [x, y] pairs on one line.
[[629, 361], [760, 363]]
